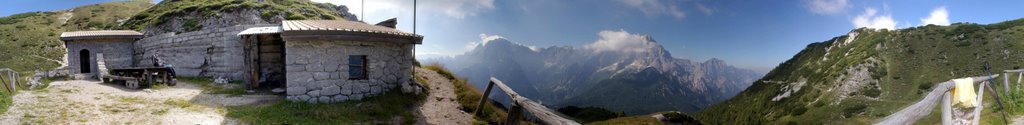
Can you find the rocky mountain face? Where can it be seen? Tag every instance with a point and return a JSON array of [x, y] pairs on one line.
[[191, 15], [869, 74], [640, 79]]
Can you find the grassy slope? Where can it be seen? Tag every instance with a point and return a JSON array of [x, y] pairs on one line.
[[910, 62], [289, 9], [30, 41]]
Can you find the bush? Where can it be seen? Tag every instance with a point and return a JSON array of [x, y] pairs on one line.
[[191, 25], [676, 117], [589, 114], [854, 110]]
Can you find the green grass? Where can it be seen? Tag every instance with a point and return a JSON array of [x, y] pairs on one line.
[[632, 120], [469, 96], [373, 110], [202, 9]]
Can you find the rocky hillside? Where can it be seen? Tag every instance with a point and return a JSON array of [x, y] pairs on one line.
[[637, 80], [191, 15], [868, 74]]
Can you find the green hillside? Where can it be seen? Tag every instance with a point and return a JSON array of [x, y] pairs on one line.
[[209, 9], [875, 74]]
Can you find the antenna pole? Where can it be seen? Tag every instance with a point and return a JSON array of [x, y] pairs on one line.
[[413, 16], [362, 11]]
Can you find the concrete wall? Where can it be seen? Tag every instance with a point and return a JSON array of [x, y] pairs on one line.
[[317, 71], [210, 52], [117, 53]]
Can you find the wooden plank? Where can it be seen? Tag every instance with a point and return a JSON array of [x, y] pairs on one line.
[[1014, 70], [540, 111]]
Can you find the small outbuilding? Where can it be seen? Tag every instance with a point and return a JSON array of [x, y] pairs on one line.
[[84, 46], [329, 60]]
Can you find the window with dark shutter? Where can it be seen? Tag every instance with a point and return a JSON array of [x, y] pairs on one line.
[[357, 67]]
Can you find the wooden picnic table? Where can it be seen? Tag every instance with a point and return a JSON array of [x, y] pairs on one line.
[[136, 77]]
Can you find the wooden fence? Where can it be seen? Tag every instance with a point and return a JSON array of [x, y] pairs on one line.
[[9, 79], [520, 103]]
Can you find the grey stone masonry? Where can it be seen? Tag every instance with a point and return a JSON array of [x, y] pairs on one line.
[[117, 52], [208, 52], [317, 71]]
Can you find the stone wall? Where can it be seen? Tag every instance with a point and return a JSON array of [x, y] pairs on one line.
[[117, 53], [210, 52], [317, 71]]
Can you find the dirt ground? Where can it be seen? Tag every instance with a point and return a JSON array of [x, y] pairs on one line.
[[440, 107], [93, 102]]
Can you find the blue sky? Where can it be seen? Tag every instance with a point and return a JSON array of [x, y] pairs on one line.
[[749, 34]]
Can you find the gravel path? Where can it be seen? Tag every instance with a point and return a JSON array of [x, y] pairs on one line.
[[440, 107], [92, 102]]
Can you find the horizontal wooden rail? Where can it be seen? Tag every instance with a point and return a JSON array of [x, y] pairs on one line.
[[540, 111]]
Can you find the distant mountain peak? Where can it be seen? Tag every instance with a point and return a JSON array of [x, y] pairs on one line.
[[618, 63], [714, 61]]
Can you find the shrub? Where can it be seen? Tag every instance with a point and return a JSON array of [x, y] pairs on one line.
[[676, 117], [191, 25]]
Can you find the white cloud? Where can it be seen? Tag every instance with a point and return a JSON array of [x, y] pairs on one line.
[[705, 9], [939, 16], [826, 7], [656, 8], [484, 39], [621, 40], [457, 9], [871, 19]]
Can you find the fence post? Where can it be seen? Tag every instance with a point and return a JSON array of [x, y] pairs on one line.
[[1006, 83], [514, 112], [483, 99], [4, 81]]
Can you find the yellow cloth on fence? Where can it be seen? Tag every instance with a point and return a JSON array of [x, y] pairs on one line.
[[963, 93]]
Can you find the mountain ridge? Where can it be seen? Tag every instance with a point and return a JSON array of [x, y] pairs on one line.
[[581, 76]]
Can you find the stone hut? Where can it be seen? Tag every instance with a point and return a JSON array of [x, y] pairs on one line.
[[84, 46], [318, 61], [329, 60]]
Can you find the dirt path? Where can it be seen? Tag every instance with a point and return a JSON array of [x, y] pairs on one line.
[[92, 102], [440, 107]]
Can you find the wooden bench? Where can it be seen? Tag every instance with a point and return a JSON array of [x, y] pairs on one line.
[[135, 77]]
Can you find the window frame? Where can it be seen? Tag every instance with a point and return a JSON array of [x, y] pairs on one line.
[[362, 67]]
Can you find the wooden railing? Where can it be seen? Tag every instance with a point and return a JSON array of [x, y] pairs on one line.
[[9, 79], [520, 103]]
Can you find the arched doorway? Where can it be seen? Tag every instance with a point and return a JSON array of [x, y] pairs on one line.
[[83, 61]]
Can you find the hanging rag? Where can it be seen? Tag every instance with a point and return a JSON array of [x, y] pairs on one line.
[[963, 93]]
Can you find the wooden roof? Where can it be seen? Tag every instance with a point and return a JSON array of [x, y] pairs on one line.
[[100, 34], [345, 30]]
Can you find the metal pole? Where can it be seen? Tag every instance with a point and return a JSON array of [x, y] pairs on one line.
[[413, 16], [362, 11]]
